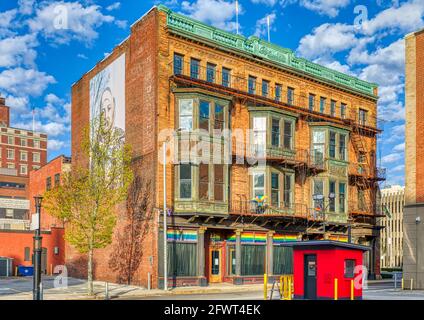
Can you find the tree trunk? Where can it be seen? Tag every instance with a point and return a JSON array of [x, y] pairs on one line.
[[90, 290]]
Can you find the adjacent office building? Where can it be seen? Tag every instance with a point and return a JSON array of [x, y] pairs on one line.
[[300, 163], [391, 250]]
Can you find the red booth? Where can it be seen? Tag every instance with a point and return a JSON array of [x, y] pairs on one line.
[[325, 269]]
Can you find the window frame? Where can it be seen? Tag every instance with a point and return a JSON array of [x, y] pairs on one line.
[[181, 67]]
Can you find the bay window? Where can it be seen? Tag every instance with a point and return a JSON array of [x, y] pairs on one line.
[[204, 181], [318, 195], [259, 134], [258, 184], [342, 146], [185, 181], [275, 189], [275, 132], [332, 149], [288, 134], [318, 146], [331, 196], [219, 182], [219, 117], [204, 115], [288, 190], [342, 197], [186, 114]]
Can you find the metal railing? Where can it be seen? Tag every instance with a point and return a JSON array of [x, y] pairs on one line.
[[258, 89], [285, 209], [362, 169], [279, 153]]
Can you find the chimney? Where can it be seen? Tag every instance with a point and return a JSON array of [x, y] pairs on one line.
[[4, 113]]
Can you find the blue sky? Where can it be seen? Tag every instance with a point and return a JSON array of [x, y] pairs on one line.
[[40, 57]]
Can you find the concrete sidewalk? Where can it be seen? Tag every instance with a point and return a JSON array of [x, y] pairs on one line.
[[21, 289]]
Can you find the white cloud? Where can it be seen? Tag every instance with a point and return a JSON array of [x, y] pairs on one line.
[[218, 13], [54, 144], [398, 168], [406, 18], [52, 129], [329, 8], [82, 56], [327, 39], [61, 22], [390, 158], [17, 50], [261, 28], [113, 6], [6, 22], [266, 2], [400, 147], [26, 7], [22, 82]]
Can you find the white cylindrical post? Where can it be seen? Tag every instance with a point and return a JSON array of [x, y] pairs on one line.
[[165, 249]]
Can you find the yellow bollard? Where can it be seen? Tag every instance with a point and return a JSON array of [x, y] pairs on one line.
[[336, 293], [352, 290], [290, 288], [265, 286], [281, 288], [412, 283], [403, 284], [16, 271]]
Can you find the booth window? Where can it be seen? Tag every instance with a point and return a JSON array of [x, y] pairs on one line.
[[349, 268]]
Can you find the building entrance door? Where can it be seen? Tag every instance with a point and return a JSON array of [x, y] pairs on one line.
[[310, 278], [215, 265]]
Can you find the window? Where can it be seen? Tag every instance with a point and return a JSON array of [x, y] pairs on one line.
[[333, 108], [182, 259], [9, 213], [288, 134], [27, 254], [57, 179], [10, 140], [210, 72], [282, 260], [35, 167], [259, 133], [232, 261], [23, 169], [36, 157], [311, 102], [219, 182], [349, 268], [278, 91], [204, 181], [288, 190], [23, 142], [361, 200], [204, 115], [11, 165], [343, 110], [318, 146], [48, 183], [275, 132], [178, 64], [265, 88], [219, 117], [290, 96], [322, 103], [318, 195], [226, 77], [342, 146], [23, 156], [252, 85], [252, 260], [362, 158], [342, 197], [37, 144], [185, 181], [363, 115], [331, 196], [194, 68], [275, 189], [332, 149], [10, 154], [258, 184], [186, 114]]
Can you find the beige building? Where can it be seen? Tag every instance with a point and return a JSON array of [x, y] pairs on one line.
[[393, 200]]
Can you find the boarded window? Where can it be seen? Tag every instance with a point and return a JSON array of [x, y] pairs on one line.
[[252, 260], [182, 259], [203, 181], [219, 182]]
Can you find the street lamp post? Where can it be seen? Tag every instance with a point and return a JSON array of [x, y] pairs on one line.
[[37, 252], [165, 229]]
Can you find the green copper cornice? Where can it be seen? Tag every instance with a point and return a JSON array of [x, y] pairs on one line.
[[263, 49]]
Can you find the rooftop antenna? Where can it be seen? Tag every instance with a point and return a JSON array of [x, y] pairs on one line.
[[268, 22], [237, 20]]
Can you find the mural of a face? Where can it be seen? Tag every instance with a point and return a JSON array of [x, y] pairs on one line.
[[107, 105]]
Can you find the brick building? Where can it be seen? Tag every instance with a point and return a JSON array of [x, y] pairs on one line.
[[300, 162], [413, 223], [21, 151], [393, 199]]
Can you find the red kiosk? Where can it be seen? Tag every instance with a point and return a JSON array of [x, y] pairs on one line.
[[325, 269]]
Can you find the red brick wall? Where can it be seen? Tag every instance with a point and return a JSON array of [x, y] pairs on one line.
[[18, 240], [4, 115], [37, 186], [140, 95], [420, 116]]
